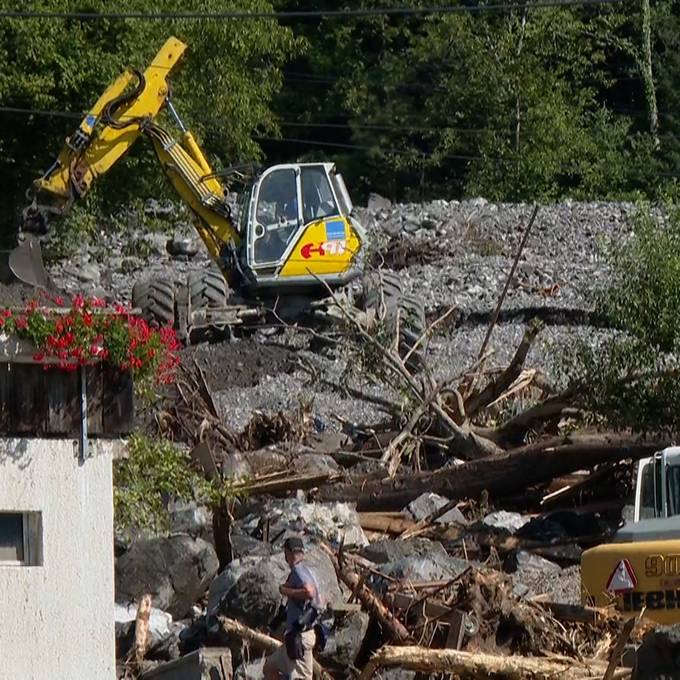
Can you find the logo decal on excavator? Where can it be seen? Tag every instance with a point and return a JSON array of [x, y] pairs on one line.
[[622, 579], [662, 565], [323, 249]]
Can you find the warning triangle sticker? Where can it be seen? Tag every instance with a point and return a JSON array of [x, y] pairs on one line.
[[622, 579]]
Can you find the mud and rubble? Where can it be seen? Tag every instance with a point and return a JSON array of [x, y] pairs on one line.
[[305, 437]]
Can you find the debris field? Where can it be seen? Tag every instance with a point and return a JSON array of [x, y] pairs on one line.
[[445, 510]]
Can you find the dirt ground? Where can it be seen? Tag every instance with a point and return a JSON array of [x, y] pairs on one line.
[[239, 364], [15, 294]]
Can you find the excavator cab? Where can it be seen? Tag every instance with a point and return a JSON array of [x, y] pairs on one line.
[[297, 227]]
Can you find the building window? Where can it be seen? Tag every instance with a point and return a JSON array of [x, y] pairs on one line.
[[20, 539]]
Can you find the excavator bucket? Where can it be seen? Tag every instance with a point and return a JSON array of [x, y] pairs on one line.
[[27, 265]]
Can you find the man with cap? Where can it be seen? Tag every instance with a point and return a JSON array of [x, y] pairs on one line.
[[302, 591]]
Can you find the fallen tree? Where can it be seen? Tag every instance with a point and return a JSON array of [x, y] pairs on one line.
[[390, 623], [480, 665], [505, 473], [265, 642]]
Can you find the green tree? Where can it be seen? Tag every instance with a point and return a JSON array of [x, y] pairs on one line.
[[630, 379], [512, 105], [224, 88], [666, 64]]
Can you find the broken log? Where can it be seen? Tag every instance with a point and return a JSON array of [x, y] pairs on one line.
[[479, 665], [141, 644], [266, 642], [501, 474], [479, 400], [512, 431], [422, 525], [384, 522], [619, 646], [276, 487], [392, 626]]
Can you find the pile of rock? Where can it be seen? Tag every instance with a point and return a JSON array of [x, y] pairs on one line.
[[190, 592]]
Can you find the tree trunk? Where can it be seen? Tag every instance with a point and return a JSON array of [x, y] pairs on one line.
[[506, 473], [647, 72], [392, 626], [479, 665]]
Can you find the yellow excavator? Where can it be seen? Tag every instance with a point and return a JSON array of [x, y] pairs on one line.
[[638, 572], [290, 240]]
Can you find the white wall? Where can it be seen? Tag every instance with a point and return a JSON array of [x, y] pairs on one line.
[[56, 620]]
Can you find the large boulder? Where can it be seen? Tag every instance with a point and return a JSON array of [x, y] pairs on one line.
[[345, 643], [248, 589], [435, 567], [162, 630], [190, 518], [386, 550], [658, 657], [243, 545], [333, 522], [427, 503], [416, 559], [531, 574], [176, 571], [502, 519]]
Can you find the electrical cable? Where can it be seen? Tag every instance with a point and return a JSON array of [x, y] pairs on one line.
[[324, 143], [304, 14]]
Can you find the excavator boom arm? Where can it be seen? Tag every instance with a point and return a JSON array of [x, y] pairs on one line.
[[97, 143], [105, 135]]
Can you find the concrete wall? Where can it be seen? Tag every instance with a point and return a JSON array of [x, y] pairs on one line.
[[56, 620]]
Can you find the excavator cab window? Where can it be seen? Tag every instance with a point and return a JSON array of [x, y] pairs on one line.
[[317, 196], [277, 217], [673, 484], [243, 206], [647, 498]]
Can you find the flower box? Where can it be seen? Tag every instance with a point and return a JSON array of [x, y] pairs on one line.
[[47, 403], [51, 356]]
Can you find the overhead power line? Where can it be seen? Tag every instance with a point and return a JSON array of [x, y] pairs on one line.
[[41, 112], [310, 14], [403, 128], [361, 147], [330, 144], [75, 115]]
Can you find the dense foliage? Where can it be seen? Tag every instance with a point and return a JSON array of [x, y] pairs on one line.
[[519, 104], [226, 86], [154, 472], [631, 379]]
